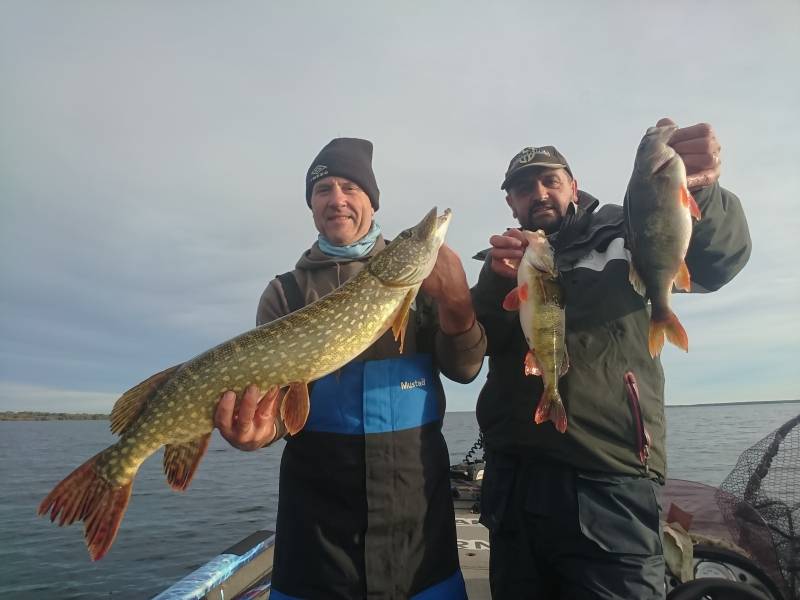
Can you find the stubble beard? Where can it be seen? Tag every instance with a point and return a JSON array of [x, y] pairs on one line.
[[548, 221]]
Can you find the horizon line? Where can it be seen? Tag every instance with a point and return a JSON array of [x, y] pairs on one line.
[[31, 412]]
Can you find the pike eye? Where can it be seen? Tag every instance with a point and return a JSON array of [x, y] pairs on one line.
[[405, 234]]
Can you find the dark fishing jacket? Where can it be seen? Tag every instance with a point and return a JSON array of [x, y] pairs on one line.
[[365, 508], [607, 326]]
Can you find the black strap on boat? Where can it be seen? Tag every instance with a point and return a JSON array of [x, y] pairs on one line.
[[294, 297]]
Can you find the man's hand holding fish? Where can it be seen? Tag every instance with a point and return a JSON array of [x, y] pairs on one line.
[[570, 497]]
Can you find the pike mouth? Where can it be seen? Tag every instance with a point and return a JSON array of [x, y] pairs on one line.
[[443, 222]]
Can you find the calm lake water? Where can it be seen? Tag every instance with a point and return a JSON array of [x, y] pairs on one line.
[[166, 534]]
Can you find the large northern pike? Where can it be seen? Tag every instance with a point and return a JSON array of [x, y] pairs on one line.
[[175, 408], [658, 212], [539, 299]]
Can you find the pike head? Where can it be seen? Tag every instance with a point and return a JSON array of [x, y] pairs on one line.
[[409, 258]]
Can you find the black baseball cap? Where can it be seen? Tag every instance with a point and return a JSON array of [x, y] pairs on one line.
[[530, 157]]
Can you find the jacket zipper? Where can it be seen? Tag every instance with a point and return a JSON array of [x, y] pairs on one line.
[[643, 440]]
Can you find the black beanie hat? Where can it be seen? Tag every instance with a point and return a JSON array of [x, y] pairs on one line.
[[350, 158]]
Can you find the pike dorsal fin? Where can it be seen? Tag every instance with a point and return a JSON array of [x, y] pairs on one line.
[[401, 319], [131, 404], [181, 460]]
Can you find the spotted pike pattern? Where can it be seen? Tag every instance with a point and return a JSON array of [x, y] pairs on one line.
[[175, 408]]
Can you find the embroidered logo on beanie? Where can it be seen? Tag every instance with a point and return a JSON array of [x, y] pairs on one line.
[[317, 172]]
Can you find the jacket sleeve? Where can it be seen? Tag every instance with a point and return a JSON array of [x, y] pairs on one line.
[[720, 245], [487, 298], [460, 356]]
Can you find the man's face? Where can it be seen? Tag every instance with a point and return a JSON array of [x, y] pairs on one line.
[[342, 210], [539, 198]]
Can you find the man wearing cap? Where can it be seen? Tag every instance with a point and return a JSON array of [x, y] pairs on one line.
[[576, 514], [364, 505]]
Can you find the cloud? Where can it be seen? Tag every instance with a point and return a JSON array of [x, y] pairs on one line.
[[152, 162]]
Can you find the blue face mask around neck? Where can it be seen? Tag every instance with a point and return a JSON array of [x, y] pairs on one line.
[[357, 249]]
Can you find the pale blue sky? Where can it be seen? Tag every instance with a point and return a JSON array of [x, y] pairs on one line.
[[152, 162]]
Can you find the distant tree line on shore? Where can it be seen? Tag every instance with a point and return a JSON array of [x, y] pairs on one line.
[[48, 416]]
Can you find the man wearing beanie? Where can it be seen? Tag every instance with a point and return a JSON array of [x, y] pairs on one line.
[[364, 514], [575, 514]]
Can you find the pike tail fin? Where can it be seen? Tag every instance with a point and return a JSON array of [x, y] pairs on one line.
[[551, 408], [84, 495], [666, 325]]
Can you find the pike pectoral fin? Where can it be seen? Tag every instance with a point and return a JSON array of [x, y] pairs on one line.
[[131, 404], [688, 200], [181, 460], [511, 301], [683, 280], [401, 319], [295, 407], [85, 496], [668, 326], [532, 366]]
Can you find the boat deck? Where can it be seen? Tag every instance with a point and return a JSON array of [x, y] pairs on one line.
[[473, 539], [244, 571]]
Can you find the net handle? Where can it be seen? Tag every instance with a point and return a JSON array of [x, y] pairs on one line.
[[754, 483]]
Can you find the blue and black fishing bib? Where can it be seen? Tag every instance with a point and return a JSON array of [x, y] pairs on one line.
[[365, 509]]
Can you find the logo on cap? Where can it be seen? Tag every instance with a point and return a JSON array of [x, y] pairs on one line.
[[318, 171], [526, 155]]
